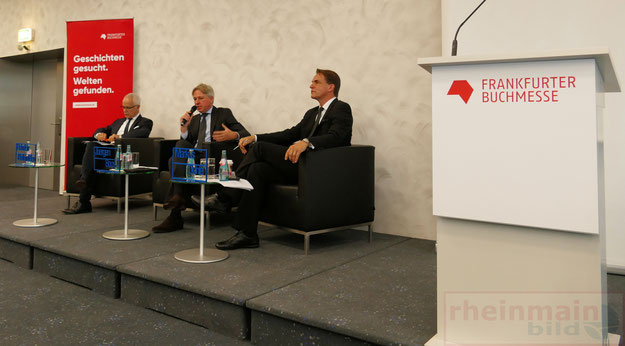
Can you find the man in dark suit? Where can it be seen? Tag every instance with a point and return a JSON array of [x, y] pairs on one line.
[[212, 124], [273, 158], [132, 125]]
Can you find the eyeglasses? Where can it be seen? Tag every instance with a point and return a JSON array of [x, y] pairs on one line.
[[129, 108]]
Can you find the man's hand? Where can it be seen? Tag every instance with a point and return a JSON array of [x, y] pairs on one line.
[[292, 154], [186, 116], [245, 141], [100, 136], [224, 135], [113, 137]]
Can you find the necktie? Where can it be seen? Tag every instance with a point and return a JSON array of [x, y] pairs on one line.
[[127, 126], [201, 136], [316, 122]]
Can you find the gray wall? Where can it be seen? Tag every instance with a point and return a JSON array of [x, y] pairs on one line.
[[47, 102], [31, 103], [15, 103]]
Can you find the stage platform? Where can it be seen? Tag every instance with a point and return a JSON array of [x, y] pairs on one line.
[[346, 291]]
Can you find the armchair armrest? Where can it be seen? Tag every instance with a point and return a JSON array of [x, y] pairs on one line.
[[144, 146], [75, 150], [162, 152], [339, 179]]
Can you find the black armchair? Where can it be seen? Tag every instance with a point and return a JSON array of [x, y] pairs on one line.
[[162, 153], [109, 186], [335, 191]]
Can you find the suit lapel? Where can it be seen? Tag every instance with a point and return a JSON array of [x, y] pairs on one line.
[[191, 130], [116, 125], [328, 114], [136, 123], [328, 111], [213, 119], [310, 122]]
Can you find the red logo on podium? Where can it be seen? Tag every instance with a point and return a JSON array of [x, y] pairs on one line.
[[461, 88]]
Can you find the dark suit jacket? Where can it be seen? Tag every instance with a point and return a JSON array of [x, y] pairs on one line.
[[218, 116], [334, 130], [141, 128]]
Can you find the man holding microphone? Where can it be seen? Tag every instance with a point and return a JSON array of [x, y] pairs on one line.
[[212, 124]]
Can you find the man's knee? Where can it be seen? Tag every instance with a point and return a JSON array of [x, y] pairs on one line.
[[255, 149], [183, 143], [259, 171], [89, 148]]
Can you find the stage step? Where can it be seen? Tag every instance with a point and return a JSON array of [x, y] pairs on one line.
[[387, 297], [224, 288], [214, 296], [40, 310]]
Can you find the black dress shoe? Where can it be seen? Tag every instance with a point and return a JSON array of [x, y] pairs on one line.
[[80, 184], [175, 202], [170, 224], [237, 241], [212, 203], [79, 208]]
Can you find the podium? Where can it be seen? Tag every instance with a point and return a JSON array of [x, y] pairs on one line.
[[519, 197]]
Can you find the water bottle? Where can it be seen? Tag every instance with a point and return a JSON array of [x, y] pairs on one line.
[[128, 158], [224, 171], [190, 163], [118, 157], [39, 153], [29, 154]]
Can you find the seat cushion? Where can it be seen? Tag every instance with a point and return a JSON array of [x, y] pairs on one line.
[[281, 206]]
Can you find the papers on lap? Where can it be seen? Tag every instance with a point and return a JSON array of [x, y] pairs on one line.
[[99, 142], [234, 184]]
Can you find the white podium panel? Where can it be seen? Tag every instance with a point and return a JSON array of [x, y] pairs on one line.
[[522, 150], [518, 188], [502, 284]]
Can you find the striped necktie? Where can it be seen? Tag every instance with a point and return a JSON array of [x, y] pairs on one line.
[[127, 126], [316, 121], [201, 136]]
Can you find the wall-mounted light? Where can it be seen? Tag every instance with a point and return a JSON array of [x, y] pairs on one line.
[[23, 36]]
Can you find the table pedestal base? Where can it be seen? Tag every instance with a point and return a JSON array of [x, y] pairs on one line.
[[120, 234], [193, 256], [41, 221]]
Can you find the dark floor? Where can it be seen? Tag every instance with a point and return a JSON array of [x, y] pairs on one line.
[[346, 291], [37, 309]]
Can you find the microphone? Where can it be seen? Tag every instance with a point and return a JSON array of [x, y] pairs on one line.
[[454, 44], [184, 121]]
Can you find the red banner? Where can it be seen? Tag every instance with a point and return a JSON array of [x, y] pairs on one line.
[[99, 73]]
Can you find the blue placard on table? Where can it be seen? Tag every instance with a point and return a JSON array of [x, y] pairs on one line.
[[105, 159], [25, 154], [194, 170]]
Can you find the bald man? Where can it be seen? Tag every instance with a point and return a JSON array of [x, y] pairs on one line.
[[132, 125]]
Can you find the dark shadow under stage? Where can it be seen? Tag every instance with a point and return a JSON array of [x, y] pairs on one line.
[[345, 291]]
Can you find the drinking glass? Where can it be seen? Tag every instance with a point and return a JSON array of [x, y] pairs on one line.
[[47, 156], [211, 167], [135, 159]]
